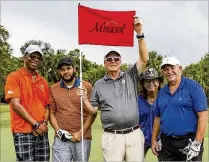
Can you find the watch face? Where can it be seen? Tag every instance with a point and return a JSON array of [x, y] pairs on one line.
[[36, 125]]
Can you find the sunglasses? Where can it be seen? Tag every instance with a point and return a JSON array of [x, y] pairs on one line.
[[110, 59]]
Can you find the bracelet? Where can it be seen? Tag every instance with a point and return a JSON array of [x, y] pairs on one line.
[[140, 36], [44, 121]]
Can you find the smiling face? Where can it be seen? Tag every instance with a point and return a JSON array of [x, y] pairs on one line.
[[112, 62], [172, 73], [32, 60], [151, 85], [67, 72]]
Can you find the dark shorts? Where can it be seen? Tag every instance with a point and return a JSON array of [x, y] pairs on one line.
[[31, 148]]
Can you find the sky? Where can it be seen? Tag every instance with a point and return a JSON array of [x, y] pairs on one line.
[[173, 28]]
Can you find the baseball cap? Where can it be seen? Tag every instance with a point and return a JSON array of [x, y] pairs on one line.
[[33, 48], [112, 49], [151, 73], [171, 60], [67, 61]]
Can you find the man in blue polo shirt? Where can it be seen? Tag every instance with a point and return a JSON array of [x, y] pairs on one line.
[[181, 115]]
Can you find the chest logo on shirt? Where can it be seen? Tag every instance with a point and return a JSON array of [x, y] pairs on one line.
[[123, 81], [10, 92]]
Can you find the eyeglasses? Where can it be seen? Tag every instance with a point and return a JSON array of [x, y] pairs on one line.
[[110, 59], [33, 57], [149, 81]]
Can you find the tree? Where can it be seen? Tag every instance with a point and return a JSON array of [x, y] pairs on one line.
[[199, 72], [9, 63]]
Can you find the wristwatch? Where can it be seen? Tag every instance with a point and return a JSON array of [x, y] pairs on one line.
[[140, 36], [36, 125]]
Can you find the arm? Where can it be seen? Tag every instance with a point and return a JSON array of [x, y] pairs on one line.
[[89, 121], [21, 111], [201, 125], [88, 106], [155, 132], [143, 51], [52, 113]]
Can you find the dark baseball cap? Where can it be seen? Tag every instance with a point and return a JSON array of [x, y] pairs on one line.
[[151, 73], [66, 61]]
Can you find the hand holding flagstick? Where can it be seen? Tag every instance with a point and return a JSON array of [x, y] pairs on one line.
[[138, 25]]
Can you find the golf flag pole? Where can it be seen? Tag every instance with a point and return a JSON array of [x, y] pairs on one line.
[[81, 98], [101, 27]]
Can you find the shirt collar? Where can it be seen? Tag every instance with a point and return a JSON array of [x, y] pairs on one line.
[[76, 83], [179, 87], [24, 71], [106, 77]]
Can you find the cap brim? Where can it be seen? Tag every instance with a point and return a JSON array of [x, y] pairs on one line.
[[110, 52], [33, 52], [64, 63], [159, 77]]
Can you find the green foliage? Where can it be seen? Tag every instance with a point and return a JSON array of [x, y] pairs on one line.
[[90, 70], [8, 62], [199, 72]]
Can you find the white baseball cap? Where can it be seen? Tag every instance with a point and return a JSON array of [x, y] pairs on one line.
[[170, 61], [33, 48], [112, 49]]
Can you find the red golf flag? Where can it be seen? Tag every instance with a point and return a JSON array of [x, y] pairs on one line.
[[99, 27]]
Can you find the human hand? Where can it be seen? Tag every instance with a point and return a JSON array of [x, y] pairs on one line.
[[76, 136], [156, 147], [82, 91], [41, 129], [138, 25], [64, 135], [192, 149]]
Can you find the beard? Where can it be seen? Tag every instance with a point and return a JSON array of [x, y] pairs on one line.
[[69, 79]]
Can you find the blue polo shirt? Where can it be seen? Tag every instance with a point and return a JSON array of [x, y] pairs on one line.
[[178, 112], [146, 118]]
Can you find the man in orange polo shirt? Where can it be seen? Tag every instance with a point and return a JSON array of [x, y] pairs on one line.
[[28, 95]]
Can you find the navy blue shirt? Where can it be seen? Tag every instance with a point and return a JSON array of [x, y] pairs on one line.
[[146, 116], [178, 111]]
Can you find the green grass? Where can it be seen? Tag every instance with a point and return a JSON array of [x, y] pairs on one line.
[[7, 148]]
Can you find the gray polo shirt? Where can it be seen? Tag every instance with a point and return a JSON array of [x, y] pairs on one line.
[[117, 100]]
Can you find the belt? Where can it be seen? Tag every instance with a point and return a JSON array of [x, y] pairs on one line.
[[178, 137], [123, 131]]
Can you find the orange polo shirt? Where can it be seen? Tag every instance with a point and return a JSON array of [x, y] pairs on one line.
[[34, 96]]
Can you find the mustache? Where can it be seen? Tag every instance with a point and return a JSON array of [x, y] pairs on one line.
[[69, 79]]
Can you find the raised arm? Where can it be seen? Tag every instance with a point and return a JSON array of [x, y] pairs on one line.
[[143, 51]]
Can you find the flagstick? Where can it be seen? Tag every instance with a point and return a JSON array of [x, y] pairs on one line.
[[81, 85]]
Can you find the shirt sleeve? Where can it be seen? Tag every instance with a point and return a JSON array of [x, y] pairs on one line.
[[157, 110], [47, 94], [94, 97], [12, 87], [133, 72], [52, 104], [199, 98]]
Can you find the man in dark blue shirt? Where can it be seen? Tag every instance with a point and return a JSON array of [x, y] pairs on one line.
[[181, 115]]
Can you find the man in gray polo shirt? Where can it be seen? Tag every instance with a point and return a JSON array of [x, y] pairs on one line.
[[116, 96]]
